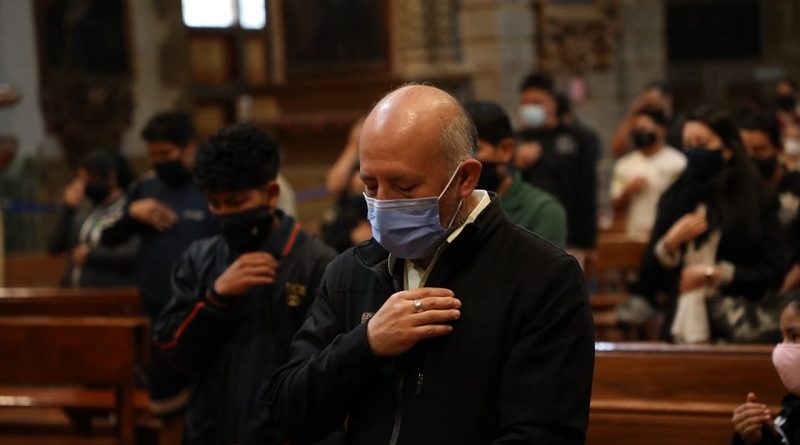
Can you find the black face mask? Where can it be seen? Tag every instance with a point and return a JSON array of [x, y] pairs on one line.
[[766, 166], [172, 172], [246, 231], [97, 192], [643, 139], [490, 179], [702, 164], [786, 102]]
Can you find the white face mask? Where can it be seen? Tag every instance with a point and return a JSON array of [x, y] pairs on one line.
[[532, 115], [792, 146]]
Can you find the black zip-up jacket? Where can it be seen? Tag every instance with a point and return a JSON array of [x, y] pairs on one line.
[[516, 369], [232, 350]]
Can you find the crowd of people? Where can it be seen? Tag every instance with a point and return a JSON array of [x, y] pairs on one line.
[[456, 232]]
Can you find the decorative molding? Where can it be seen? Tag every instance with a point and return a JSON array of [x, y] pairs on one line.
[[427, 41], [85, 73], [577, 38]]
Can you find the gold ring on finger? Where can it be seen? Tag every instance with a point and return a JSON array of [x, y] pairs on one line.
[[418, 305]]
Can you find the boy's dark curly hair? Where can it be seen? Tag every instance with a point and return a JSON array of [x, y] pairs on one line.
[[236, 158]]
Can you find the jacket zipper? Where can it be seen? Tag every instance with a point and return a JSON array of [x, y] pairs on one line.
[[420, 369], [398, 414]]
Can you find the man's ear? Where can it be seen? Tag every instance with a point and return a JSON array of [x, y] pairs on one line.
[[272, 193], [469, 174], [505, 150]]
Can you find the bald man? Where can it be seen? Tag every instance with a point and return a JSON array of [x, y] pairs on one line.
[[452, 325]]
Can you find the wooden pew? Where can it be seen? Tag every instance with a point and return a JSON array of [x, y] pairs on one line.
[[94, 352], [54, 301], [615, 255], [653, 393], [34, 269], [26, 408], [615, 258]]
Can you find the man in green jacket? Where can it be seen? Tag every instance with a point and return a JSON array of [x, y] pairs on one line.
[[526, 206]]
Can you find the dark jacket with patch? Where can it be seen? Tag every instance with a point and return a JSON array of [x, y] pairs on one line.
[[161, 250], [516, 369], [232, 351]]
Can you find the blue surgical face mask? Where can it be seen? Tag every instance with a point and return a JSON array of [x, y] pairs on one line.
[[409, 228]]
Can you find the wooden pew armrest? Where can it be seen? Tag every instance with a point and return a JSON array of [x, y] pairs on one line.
[[661, 407], [66, 397]]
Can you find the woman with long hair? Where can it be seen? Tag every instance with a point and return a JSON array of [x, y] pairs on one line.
[[716, 232]]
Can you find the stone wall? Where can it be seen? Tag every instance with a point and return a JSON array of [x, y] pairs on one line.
[[160, 68], [19, 67], [497, 41]]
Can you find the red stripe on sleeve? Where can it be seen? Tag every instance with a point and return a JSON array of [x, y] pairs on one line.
[[174, 342], [292, 238]]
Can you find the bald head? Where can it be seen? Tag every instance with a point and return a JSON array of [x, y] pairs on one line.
[[429, 116], [419, 143]]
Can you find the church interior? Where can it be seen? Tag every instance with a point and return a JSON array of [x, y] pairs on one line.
[[85, 82]]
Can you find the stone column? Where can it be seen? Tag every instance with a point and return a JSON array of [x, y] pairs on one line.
[[497, 39], [161, 69], [425, 39]]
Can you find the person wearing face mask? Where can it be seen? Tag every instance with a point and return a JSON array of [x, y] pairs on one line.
[[167, 212], [452, 325], [761, 136], [753, 423], [786, 109], [238, 297], [560, 159], [790, 135], [716, 234], [525, 205], [165, 208], [656, 96], [93, 201], [640, 177]]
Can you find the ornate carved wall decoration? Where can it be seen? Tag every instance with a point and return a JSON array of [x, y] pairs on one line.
[[577, 36], [427, 35], [85, 72]]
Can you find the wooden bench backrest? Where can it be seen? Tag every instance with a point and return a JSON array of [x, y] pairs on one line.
[[67, 350], [69, 302], [685, 373], [79, 351], [615, 256], [617, 252], [34, 269]]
